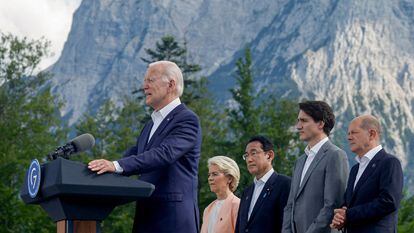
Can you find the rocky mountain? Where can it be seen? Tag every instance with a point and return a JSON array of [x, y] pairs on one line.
[[356, 55]]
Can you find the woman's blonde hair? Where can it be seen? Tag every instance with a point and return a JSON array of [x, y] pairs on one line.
[[229, 167]]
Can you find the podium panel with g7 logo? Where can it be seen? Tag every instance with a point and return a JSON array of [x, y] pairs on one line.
[[76, 198]]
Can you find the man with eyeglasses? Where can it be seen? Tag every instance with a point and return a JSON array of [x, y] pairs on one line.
[[319, 176], [262, 203], [166, 154]]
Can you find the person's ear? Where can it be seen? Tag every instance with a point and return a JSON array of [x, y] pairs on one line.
[[373, 134], [321, 124], [171, 84], [270, 155], [230, 179]]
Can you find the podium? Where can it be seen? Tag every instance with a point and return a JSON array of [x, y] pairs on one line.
[[78, 199]]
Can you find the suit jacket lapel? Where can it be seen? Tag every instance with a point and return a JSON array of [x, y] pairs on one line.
[[350, 187], [263, 195], [164, 123], [372, 165], [246, 205], [298, 173], [318, 157], [145, 134]]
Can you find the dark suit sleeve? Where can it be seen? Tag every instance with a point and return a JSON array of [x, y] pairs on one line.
[[131, 151], [390, 194], [237, 228], [237, 223], [181, 139], [242, 207]]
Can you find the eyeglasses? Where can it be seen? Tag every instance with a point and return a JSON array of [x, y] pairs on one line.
[[253, 153]]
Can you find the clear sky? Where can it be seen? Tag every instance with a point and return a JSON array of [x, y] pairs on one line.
[[36, 18]]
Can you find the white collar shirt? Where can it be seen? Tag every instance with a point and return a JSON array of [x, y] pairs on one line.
[[364, 161], [310, 156], [213, 219], [258, 187], [158, 116]]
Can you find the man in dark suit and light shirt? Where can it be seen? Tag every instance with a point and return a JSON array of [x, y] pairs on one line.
[[262, 203], [374, 190], [166, 154]]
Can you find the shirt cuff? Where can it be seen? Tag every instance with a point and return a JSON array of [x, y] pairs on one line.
[[118, 168]]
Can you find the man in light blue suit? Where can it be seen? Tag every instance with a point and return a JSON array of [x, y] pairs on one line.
[[166, 154], [319, 176]]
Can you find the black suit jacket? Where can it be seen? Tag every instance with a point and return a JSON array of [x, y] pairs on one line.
[[267, 214], [373, 205]]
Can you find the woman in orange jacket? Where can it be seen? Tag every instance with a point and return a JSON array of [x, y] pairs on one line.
[[223, 177]]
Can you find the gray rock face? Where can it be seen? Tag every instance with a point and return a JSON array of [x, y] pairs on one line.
[[102, 56], [356, 55]]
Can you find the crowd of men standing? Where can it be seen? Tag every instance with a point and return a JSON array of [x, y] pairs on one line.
[[323, 195]]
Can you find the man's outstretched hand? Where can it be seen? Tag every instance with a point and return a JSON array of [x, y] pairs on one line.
[[101, 166]]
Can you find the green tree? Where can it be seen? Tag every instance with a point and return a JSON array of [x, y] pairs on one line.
[[244, 119], [251, 115], [30, 127], [406, 215], [243, 115]]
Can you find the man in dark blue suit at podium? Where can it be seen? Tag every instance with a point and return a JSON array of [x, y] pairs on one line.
[[166, 154]]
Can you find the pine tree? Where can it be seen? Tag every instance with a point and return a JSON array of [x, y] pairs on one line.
[[30, 127], [251, 115], [244, 118]]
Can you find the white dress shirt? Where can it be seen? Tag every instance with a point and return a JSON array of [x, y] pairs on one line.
[[258, 187], [364, 161], [214, 216], [310, 155], [157, 118]]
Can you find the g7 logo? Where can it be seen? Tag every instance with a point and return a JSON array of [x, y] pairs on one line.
[[33, 178]]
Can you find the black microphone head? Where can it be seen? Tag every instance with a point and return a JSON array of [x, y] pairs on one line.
[[83, 142]]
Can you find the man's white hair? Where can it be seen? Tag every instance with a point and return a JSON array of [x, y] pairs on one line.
[[171, 72]]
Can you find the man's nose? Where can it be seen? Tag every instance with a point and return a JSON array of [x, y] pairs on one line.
[[249, 159], [144, 87]]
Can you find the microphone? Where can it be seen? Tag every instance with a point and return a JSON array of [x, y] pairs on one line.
[[79, 144]]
